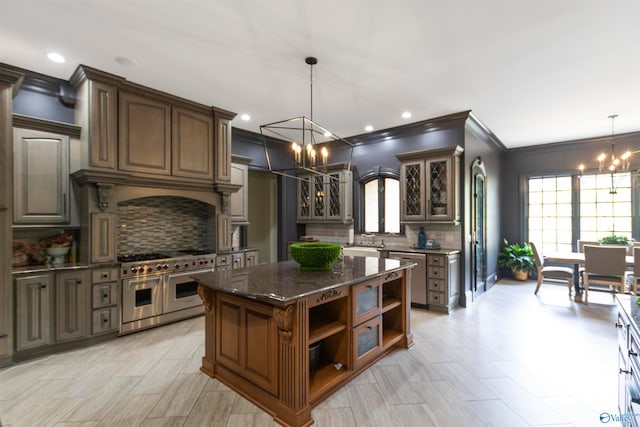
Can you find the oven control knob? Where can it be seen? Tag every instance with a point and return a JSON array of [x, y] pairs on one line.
[[149, 270], [177, 265], [134, 270], [201, 262], [206, 262], [141, 270], [159, 267], [186, 265], [164, 267]]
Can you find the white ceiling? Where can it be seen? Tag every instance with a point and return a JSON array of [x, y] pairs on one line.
[[533, 71]]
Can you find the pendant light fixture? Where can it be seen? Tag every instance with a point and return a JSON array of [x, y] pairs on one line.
[[610, 162], [310, 143]]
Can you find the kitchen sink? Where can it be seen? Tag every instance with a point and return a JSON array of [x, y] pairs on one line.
[[360, 251]]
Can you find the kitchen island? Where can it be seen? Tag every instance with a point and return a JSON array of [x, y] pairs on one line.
[[286, 339]]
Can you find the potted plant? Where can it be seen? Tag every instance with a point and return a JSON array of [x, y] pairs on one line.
[[517, 258], [616, 240]]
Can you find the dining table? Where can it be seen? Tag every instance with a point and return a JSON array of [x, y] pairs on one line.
[[577, 259]]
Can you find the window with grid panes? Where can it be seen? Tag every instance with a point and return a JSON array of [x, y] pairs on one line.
[[550, 213], [602, 212]]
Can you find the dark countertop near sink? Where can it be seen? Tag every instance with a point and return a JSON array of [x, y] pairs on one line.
[[628, 304], [283, 282], [420, 251]]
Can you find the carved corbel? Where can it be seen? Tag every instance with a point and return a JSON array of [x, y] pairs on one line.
[[226, 190], [284, 322], [104, 194], [207, 296]]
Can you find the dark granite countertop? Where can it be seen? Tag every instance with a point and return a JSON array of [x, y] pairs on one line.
[[283, 282], [46, 268], [628, 304], [420, 251]]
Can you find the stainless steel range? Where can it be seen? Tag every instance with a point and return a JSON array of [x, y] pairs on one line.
[[156, 287]]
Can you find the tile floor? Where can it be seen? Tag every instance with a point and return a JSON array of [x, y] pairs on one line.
[[511, 359]]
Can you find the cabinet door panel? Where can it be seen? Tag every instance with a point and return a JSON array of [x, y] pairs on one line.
[[223, 149], [105, 320], [72, 305], [240, 199], [192, 144], [32, 311], [412, 178], [103, 126], [144, 135], [367, 339], [103, 237], [41, 177], [367, 301]]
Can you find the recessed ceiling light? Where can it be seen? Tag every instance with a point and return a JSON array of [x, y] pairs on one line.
[[55, 57], [368, 128], [406, 115], [245, 117], [125, 62]]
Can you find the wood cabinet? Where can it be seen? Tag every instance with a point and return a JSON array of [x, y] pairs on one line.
[[102, 122], [443, 281], [144, 134], [72, 305], [246, 340], [192, 144], [41, 177], [222, 123], [223, 232], [103, 237], [250, 258], [429, 185], [628, 360], [223, 262], [326, 198], [305, 347], [240, 199], [237, 260], [105, 299], [33, 311]]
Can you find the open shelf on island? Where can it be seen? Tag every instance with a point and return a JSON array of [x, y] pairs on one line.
[[320, 329], [390, 302], [324, 377]]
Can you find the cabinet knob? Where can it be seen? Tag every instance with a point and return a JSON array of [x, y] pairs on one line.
[[43, 286], [78, 282], [633, 353], [622, 371], [618, 325]]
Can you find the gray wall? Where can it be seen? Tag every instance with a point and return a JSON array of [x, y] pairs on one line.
[[559, 158]]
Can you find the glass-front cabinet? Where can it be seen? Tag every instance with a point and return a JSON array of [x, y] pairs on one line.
[[326, 197], [429, 185]]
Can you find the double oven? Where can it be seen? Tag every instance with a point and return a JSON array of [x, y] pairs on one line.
[[157, 288]]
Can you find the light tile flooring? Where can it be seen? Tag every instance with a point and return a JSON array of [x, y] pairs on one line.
[[511, 359]]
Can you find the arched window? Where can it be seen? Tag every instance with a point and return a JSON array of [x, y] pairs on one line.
[[381, 202]]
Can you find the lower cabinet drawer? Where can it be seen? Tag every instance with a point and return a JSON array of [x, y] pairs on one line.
[[435, 272], [104, 294], [437, 298], [367, 341], [104, 275], [105, 320], [437, 285]]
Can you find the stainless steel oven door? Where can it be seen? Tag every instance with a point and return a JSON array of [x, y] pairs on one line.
[[141, 298], [180, 291]]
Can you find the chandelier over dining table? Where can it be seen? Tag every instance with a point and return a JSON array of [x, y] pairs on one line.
[[610, 161], [310, 143]]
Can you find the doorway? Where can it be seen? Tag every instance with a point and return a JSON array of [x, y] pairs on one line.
[[262, 232], [478, 229]]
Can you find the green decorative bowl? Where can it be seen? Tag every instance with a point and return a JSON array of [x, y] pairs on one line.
[[315, 256]]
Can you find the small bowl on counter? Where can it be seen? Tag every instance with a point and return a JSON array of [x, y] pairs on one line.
[[58, 254]]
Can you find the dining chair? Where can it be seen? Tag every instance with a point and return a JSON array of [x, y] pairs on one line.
[[582, 243], [551, 272], [605, 265]]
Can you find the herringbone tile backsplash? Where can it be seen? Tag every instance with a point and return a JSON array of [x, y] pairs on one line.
[[153, 224]]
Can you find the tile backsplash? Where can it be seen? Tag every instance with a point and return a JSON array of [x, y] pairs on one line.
[[447, 235], [158, 223]]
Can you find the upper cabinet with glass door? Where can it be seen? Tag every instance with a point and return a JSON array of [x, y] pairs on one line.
[[429, 185], [326, 197]]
